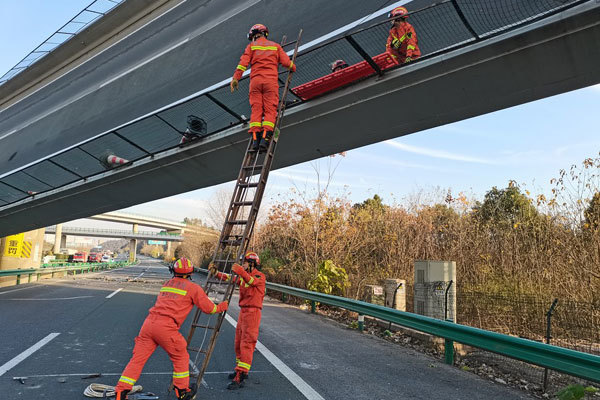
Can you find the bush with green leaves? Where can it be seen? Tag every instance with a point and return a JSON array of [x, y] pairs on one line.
[[330, 279]]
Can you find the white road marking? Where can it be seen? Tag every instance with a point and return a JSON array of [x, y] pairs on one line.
[[299, 383], [122, 74], [16, 290], [10, 364], [50, 299], [113, 293]]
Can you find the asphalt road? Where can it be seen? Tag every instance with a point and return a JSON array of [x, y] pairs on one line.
[[100, 95], [95, 335]]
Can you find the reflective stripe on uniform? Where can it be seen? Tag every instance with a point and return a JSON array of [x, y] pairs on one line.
[[243, 365], [410, 47], [125, 379], [255, 124], [241, 67], [173, 290], [183, 374], [291, 65], [268, 123], [263, 48], [214, 310], [251, 281]]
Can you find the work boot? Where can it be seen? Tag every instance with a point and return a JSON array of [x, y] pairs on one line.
[[186, 394], [238, 381], [255, 144], [232, 375], [121, 394], [264, 143]]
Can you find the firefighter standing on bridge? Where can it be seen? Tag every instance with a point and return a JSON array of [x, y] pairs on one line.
[[402, 44], [252, 284], [161, 328], [264, 57]]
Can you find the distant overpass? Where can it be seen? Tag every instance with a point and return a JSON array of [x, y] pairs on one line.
[[144, 220], [114, 233], [474, 74]]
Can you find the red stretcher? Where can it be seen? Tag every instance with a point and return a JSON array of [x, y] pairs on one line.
[[342, 77]]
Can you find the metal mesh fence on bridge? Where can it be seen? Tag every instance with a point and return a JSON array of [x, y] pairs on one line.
[[440, 28]]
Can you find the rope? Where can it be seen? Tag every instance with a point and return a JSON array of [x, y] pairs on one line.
[[99, 390]]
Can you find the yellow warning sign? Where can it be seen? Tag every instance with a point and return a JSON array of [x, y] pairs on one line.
[[26, 250], [13, 245]]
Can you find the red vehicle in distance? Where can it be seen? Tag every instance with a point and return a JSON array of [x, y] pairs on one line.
[[95, 257], [80, 257]]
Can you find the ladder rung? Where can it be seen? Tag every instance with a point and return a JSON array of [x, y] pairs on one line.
[[252, 167], [225, 261], [238, 222], [243, 203], [248, 184], [196, 349], [203, 326], [236, 242]]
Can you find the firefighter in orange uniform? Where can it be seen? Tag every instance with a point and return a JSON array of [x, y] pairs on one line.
[[402, 43], [264, 58], [252, 292], [161, 328]]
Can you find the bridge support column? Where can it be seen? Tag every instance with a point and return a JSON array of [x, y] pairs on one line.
[[58, 243], [135, 228], [21, 251], [132, 250]]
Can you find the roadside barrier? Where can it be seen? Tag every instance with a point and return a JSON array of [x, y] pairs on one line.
[[571, 362], [79, 268]]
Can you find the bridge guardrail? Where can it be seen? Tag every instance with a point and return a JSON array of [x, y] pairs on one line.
[[47, 269], [441, 27], [571, 362]]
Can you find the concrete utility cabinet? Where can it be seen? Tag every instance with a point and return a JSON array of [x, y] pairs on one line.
[[395, 294], [432, 281], [373, 294]]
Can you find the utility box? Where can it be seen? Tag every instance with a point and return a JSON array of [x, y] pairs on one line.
[[435, 289], [373, 294], [395, 294]]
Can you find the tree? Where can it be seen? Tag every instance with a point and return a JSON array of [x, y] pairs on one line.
[[506, 207], [592, 213]]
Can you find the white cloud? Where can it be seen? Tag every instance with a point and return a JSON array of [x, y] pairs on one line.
[[437, 153]]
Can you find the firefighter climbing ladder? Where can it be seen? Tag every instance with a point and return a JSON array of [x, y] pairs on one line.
[[237, 230]]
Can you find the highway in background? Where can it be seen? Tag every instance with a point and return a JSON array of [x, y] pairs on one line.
[[87, 326]]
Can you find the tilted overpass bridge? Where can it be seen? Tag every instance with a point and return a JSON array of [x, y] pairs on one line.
[[468, 70]]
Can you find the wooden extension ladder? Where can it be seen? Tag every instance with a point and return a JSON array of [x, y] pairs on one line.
[[237, 231]]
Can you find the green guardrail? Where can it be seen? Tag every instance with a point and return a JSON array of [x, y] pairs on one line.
[[75, 268], [569, 361]]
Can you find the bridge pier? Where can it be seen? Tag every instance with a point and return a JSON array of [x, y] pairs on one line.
[[60, 240], [132, 249], [20, 251]]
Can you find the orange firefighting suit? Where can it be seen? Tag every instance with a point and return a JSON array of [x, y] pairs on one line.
[[264, 57], [161, 328], [402, 43], [252, 293]]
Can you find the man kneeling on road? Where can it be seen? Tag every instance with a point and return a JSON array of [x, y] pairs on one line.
[[252, 292], [161, 328]]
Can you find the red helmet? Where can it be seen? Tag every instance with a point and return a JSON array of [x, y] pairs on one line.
[[338, 64], [398, 12], [183, 266], [252, 256], [256, 29]]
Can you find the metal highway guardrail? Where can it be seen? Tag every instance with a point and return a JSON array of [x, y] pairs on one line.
[[441, 27], [571, 362], [81, 267]]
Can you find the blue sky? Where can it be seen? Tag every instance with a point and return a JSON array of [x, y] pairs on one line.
[[528, 143]]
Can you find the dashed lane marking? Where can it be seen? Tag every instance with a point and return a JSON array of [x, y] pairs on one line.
[[113, 293], [294, 378], [12, 363], [16, 290]]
